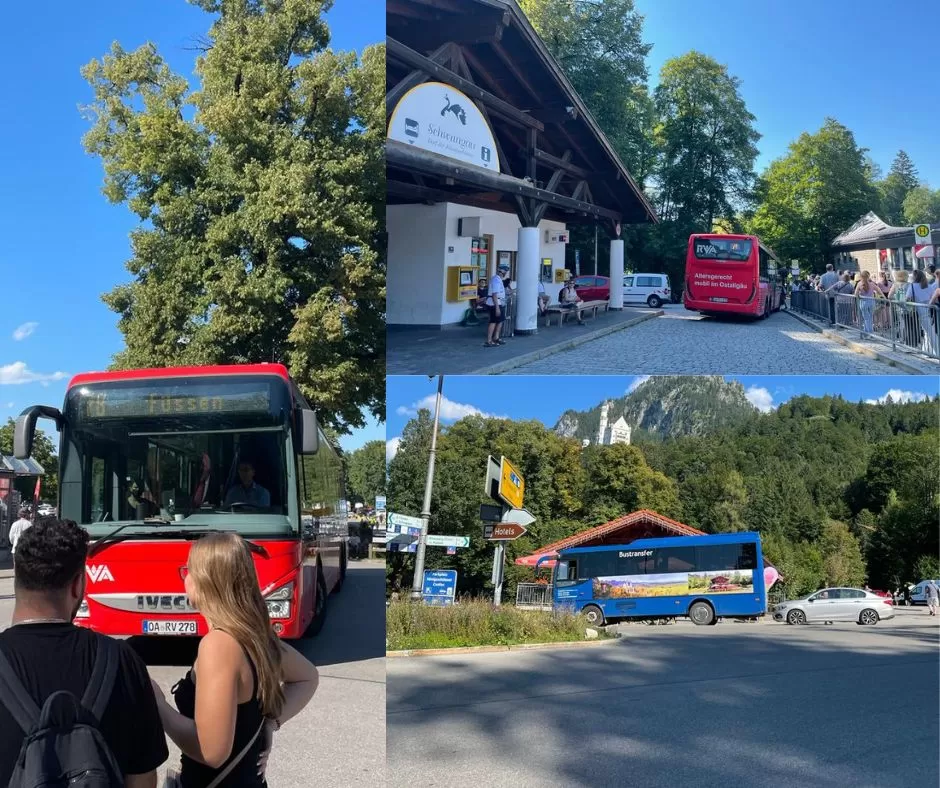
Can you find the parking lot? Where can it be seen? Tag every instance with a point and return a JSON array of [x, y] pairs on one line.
[[756, 704], [339, 739]]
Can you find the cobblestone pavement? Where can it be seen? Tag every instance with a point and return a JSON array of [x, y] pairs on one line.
[[683, 342]]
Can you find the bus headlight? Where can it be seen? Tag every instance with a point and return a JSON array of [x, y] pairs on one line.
[[278, 601], [83, 610]]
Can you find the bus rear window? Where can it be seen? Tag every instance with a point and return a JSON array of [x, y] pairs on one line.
[[722, 249]]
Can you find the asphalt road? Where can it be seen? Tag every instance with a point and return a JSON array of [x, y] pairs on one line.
[[339, 739], [685, 343], [747, 705]]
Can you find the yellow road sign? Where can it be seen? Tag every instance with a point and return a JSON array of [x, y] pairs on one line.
[[922, 230], [511, 483]]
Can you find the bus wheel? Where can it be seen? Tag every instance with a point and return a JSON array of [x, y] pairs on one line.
[[594, 615], [702, 613], [319, 608]]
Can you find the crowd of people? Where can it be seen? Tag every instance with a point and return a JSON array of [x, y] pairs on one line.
[[916, 327], [78, 707]]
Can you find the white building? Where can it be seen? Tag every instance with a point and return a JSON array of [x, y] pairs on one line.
[[609, 434], [491, 157]]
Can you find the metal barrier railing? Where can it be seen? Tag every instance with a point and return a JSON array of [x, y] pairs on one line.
[[812, 303], [534, 595], [901, 324]]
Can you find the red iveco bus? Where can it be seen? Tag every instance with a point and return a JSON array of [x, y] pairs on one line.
[[151, 460], [732, 274]]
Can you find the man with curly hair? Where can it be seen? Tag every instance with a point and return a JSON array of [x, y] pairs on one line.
[[46, 653]]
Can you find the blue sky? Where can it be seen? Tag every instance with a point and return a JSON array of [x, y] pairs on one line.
[[64, 244], [858, 61], [546, 398]]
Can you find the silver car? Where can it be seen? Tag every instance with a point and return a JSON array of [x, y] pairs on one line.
[[835, 604]]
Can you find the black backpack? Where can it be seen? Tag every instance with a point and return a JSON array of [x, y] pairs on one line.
[[63, 745]]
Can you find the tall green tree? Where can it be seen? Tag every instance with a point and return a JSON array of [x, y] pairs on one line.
[[921, 205], [806, 198], [620, 481], [901, 179], [44, 453], [366, 473], [707, 140], [260, 197], [600, 48], [842, 558]]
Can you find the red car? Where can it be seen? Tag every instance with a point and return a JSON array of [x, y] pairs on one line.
[[592, 288]]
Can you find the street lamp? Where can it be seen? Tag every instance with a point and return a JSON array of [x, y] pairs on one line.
[[418, 582]]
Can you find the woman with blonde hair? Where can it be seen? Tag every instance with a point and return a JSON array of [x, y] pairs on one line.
[[866, 291], [245, 682]]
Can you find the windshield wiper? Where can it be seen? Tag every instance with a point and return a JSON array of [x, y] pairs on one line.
[[115, 536], [96, 546]]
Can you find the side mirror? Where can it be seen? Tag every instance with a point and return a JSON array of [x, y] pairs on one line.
[[309, 432], [24, 430]]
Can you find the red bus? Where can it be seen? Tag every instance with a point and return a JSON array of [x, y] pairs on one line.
[[151, 460], [732, 274]]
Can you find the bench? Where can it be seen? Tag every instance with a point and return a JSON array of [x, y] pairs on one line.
[[564, 312]]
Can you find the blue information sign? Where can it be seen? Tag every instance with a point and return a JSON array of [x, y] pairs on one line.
[[440, 586]]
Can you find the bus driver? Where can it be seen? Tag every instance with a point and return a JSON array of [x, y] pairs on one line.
[[247, 490]]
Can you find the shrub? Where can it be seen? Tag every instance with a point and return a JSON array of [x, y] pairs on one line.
[[476, 622]]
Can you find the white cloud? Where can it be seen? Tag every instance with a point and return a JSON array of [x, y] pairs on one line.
[[637, 382], [24, 331], [391, 448], [450, 410], [10, 405], [897, 395], [760, 398], [17, 373]]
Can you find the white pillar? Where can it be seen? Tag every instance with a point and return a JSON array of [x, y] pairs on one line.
[[527, 281], [616, 274]]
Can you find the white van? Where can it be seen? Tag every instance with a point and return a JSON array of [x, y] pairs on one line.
[[650, 289], [919, 592]]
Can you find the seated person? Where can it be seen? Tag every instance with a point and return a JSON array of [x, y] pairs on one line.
[[246, 490], [543, 298], [570, 299], [480, 301]]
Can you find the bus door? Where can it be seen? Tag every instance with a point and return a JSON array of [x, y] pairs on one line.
[[569, 591]]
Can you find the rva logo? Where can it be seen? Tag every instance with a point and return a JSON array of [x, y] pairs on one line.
[[99, 573]]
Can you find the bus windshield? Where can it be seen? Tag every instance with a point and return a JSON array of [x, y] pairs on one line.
[[737, 249], [193, 451]]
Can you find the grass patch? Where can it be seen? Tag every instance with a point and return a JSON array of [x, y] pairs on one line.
[[477, 622]]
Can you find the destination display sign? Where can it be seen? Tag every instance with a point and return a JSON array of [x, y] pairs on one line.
[[201, 399]]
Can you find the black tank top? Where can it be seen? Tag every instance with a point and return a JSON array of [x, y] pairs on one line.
[[248, 719]]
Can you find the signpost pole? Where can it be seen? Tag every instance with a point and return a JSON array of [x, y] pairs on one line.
[[498, 559], [417, 584]]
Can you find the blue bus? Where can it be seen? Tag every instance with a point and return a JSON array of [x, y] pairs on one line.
[[702, 577]]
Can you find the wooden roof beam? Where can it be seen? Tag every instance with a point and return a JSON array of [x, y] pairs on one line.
[[407, 157], [404, 54]]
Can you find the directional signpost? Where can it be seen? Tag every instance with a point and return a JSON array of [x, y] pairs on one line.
[[436, 540], [440, 586], [403, 520], [504, 484], [502, 532]]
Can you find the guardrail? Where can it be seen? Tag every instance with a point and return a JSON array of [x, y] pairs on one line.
[[534, 596], [899, 324]]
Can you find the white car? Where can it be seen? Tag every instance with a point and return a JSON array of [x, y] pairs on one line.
[[919, 592], [650, 289], [835, 604]]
